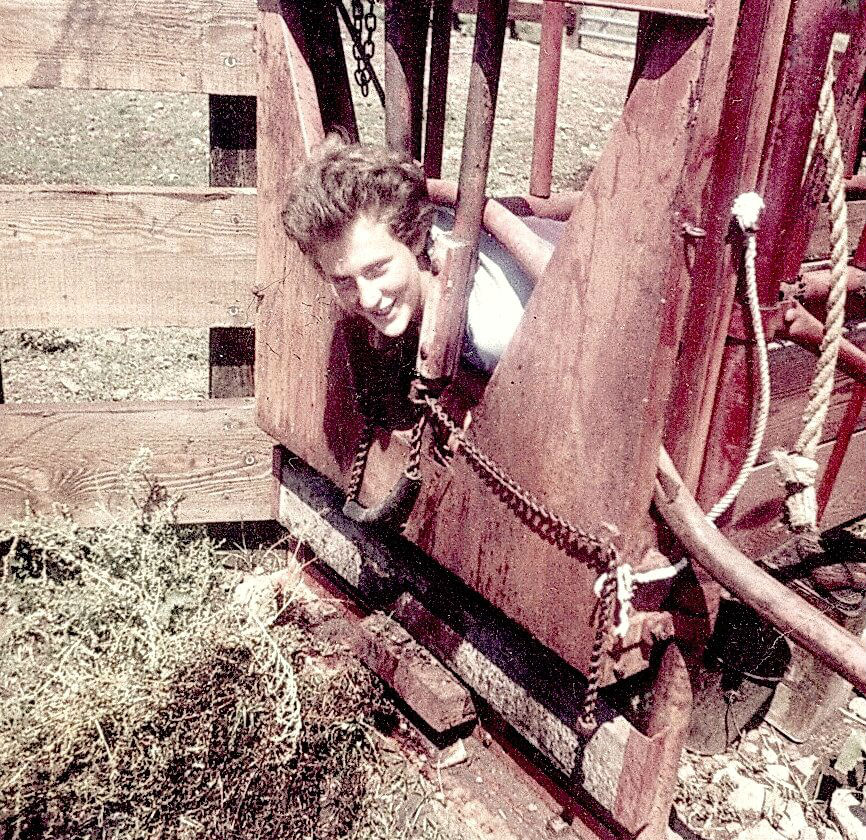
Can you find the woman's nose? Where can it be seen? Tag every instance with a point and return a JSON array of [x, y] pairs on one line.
[[368, 293]]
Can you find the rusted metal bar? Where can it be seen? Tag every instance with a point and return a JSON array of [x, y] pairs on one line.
[[437, 88], [546, 98], [557, 206], [805, 50], [406, 24], [445, 307], [792, 615], [529, 250], [805, 329]]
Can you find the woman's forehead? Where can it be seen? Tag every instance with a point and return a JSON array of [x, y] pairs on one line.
[[364, 242]]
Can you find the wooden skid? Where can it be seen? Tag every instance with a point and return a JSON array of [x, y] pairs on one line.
[[77, 257], [208, 453], [194, 47]]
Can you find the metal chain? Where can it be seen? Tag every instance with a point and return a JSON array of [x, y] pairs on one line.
[[359, 464], [363, 49], [553, 527]]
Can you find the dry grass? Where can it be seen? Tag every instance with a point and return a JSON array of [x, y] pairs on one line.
[[138, 700]]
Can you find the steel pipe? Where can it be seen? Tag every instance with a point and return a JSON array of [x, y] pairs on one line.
[[529, 250], [792, 615], [546, 98]]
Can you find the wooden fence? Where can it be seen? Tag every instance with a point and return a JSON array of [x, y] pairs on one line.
[[87, 256]]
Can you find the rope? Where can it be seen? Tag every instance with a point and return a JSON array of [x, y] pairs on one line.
[[799, 469], [745, 210]]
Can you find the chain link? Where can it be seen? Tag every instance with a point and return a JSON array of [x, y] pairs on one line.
[[552, 527], [363, 49]]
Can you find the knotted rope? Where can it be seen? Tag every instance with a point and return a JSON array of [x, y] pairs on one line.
[[746, 209], [798, 469]]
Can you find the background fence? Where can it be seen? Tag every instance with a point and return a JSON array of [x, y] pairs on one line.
[[86, 256]]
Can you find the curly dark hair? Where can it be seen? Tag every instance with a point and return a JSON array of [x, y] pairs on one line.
[[341, 181]]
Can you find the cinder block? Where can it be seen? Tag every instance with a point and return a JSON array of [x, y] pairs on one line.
[[426, 686]]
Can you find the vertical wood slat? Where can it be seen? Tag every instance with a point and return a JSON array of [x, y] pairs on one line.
[[232, 164]]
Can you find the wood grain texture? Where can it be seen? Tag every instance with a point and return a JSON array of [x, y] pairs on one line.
[[819, 243], [530, 10], [193, 47], [208, 453], [74, 257]]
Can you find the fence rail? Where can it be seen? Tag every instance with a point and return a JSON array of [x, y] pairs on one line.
[[193, 47]]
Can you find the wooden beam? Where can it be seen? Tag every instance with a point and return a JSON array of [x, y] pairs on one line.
[[194, 47], [77, 257], [754, 524], [232, 164], [207, 453]]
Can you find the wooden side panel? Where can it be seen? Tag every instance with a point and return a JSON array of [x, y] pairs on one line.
[[193, 47], [531, 9], [77, 257], [297, 340], [208, 453], [791, 371]]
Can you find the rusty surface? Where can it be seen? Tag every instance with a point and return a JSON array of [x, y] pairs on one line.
[[445, 305], [848, 91], [808, 36], [792, 615], [840, 447], [406, 24], [743, 121], [440, 51], [546, 98], [530, 251]]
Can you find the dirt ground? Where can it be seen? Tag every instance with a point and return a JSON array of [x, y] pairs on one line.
[[120, 138]]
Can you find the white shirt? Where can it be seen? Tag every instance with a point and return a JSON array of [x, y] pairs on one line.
[[496, 299]]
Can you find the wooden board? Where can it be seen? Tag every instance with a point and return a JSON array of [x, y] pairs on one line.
[[819, 243], [755, 526], [74, 257], [208, 453], [791, 371], [194, 47]]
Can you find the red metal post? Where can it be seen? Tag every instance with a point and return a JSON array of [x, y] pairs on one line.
[[442, 327], [546, 98], [405, 52], [437, 89], [806, 48], [743, 120]]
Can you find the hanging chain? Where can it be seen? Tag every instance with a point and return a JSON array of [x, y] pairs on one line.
[[363, 48], [549, 525]]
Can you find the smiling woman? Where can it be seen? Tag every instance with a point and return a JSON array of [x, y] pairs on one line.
[[362, 213]]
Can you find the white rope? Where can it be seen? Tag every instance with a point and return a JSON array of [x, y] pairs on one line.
[[626, 581], [798, 470], [746, 209]]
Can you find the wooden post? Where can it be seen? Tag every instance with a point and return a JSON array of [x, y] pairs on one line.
[[232, 164], [440, 52]]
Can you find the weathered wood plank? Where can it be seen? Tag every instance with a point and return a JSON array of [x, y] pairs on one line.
[[193, 47], [530, 10], [819, 243], [207, 453], [127, 257]]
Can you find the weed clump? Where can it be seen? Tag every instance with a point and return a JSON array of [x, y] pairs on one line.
[[137, 700]]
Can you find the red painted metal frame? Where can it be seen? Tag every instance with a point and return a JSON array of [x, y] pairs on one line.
[[437, 89], [546, 98], [406, 23]]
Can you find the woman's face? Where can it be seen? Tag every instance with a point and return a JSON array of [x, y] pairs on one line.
[[375, 275]]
